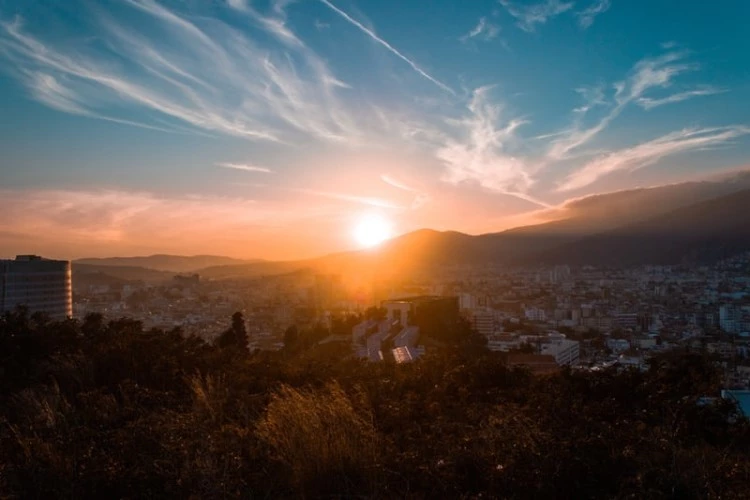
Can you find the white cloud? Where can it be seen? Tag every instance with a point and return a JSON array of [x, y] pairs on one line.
[[649, 103], [529, 16], [586, 17], [238, 4], [360, 200], [245, 167], [650, 152], [481, 154], [484, 30], [593, 97], [388, 46], [210, 78], [420, 197], [647, 74], [320, 25]]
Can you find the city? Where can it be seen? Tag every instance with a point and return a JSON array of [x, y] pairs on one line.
[[586, 318], [374, 249]]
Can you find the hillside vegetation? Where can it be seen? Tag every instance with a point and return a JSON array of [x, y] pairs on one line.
[[95, 409]]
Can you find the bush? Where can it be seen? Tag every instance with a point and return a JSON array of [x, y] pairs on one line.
[[329, 447]]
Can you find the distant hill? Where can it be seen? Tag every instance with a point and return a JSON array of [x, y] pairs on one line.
[[93, 272], [602, 212], [702, 232], [171, 263], [252, 269], [83, 280], [694, 221]]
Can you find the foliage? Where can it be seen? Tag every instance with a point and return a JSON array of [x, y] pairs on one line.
[[301, 424], [108, 409]]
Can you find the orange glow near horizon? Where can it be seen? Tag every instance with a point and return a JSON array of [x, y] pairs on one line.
[[372, 229]]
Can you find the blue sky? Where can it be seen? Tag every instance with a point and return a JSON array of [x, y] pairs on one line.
[[261, 128]]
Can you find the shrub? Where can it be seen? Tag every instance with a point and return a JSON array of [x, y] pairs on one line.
[[329, 447]]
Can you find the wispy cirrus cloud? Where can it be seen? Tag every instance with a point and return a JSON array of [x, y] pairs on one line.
[[371, 201], [650, 103], [390, 48], [48, 90], [484, 30], [650, 152], [528, 16], [209, 77], [586, 17], [487, 149], [320, 25], [241, 5], [245, 167], [646, 75], [420, 197], [481, 150]]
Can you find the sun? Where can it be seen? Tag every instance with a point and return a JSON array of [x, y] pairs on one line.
[[371, 230]]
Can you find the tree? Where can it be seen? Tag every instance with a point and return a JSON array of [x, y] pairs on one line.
[[291, 337], [377, 313], [236, 336]]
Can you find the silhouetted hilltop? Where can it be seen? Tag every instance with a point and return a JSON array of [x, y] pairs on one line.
[[171, 263], [119, 273], [697, 221], [702, 232]]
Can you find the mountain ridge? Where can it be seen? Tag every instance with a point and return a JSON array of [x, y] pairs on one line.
[[166, 262], [582, 231]]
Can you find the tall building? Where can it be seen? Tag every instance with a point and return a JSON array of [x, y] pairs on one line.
[[42, 285], [730, 317], [484, 322]]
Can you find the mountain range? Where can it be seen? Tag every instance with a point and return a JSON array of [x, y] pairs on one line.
[[690, 222], [171, 263]]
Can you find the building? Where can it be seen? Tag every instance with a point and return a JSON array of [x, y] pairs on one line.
[[436, 317], [535, 314], [564, 351], [42, 285], [407, 354], [484, 322], [730, 318], [626, 320]]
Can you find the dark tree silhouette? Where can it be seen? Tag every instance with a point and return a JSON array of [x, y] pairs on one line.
[[291, 337], [236, 336]]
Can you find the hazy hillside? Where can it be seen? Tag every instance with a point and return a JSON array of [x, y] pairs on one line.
[[127, 273], [695, 220], [171, 263], [702, 232], [607, 211], [699, 221], [259, 268]]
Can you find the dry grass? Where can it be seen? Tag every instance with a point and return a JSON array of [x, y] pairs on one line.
[[329, 446], [210, 395]]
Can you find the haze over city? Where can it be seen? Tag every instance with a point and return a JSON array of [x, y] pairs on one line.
[[291, 129]]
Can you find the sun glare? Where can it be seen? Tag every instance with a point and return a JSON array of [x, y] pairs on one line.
[[371, 230]]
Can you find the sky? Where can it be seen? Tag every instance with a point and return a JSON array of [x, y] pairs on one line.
[[267, 129]]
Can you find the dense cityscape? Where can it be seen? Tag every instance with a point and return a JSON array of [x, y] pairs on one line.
[[586, 318]]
